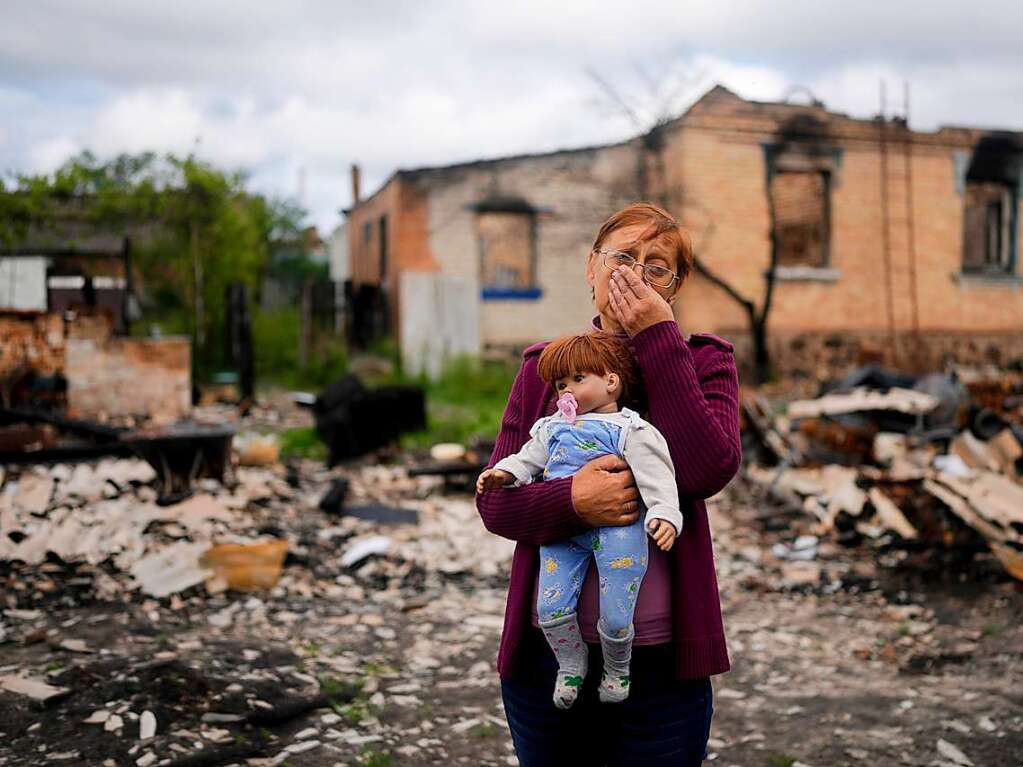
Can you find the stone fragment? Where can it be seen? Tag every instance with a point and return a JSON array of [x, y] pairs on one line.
[[147, 725], [953, 754], [32, 688]]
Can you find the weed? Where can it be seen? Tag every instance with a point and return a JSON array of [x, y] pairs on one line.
[[276, 335], [372, 758], [466, 401], [354, 712], [780, 760], [369, 668], [302, 442], [484, 730], [312, 648], [991, 629], [338, 692]]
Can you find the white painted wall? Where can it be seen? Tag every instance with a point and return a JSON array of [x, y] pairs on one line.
[[337, 250], [23, 283], [439, 320]]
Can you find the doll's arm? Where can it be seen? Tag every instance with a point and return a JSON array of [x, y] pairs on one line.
[[647, 454], [536, 514], [531, 459]]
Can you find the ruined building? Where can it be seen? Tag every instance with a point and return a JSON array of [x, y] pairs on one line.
[[889, 243]]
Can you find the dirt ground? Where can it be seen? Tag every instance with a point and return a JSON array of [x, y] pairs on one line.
[[857, 657]]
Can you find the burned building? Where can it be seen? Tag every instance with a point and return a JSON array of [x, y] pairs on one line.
[[65, 345], [885, 242]]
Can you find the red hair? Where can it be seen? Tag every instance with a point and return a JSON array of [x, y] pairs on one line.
[[597, 353], [662, 236]]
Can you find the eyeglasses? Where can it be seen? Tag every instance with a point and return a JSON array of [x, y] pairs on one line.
[[658, 276]]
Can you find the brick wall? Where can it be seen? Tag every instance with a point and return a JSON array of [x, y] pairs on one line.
[[824, 356], [29, 341], [713, 174], [129, 377], [716, 156], [574, 192]]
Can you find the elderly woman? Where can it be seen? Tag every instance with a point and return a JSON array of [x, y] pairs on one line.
[[639, 260]]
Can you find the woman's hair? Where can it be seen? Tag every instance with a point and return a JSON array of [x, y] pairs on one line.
[[597, 353], [662, 235]]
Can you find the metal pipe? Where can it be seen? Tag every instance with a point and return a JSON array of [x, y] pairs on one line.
[[886, 233]]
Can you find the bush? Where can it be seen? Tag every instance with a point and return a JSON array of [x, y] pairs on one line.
[[275, 339], [466, 401]]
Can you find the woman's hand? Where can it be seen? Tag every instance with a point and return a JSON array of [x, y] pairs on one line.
[[663, 534], [604, 493], [635, 304]]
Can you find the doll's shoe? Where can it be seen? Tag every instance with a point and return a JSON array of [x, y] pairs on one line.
[[567, 687], [613, 688], [614, 683], [572, 656]]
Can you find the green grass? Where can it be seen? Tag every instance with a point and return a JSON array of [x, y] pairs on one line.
[[991, 629], [780, 760], [370, 668], [484, 730], [302, 442], [372, 758], [338, 691], [466, 401], [275, 341]]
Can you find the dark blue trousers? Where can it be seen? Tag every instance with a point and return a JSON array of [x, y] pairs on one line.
[[663, 722]]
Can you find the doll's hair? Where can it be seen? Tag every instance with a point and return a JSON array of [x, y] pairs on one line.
[[597, 353]]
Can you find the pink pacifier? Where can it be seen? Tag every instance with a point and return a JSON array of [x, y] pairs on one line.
[[567, 406]]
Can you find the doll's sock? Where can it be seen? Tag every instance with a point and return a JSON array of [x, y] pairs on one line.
[[614, 683], [570, 650]]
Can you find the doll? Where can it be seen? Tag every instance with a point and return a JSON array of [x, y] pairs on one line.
[[592, 374]]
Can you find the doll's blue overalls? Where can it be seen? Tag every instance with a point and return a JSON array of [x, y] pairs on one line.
[[620, 552]]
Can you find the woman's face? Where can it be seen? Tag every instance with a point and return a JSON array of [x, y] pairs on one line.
[[625, 239]]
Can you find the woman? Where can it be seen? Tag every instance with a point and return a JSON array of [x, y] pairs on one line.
[[638, 262]]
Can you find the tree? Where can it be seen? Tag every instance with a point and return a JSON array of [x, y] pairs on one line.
[[651, 108], [195, 228]]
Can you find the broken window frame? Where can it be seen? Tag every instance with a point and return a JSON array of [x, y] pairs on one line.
[[805, 156], [995, 159], [806, 153], [998, 256], [509, 207]]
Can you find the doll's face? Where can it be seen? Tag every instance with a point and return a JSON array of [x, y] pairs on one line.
[[591, 391]]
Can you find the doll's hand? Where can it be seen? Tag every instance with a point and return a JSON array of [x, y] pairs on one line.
[[663, 534], [492, 479]]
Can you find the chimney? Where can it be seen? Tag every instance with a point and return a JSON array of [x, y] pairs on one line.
[[356, 197]]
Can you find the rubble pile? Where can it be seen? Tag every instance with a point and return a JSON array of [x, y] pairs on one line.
[[228, 615], [296, 614], [911, 464]]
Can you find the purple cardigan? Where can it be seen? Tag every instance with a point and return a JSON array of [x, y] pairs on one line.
[[693, 393]]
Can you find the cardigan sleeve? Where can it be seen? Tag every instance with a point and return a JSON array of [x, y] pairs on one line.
[[535, 514], [695, 407]]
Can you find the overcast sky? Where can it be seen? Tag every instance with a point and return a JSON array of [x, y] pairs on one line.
[[287, 90]]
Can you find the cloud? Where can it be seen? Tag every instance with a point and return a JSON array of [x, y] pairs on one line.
[[48, 155], [278, 87]]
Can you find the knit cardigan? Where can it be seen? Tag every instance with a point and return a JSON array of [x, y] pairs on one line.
[[693, 392]]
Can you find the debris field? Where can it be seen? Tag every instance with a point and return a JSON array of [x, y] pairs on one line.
[[303, 615]]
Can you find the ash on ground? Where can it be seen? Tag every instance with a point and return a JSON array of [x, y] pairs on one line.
[[247, 625]]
